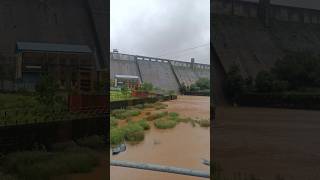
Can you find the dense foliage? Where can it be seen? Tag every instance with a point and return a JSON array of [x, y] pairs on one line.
[[47, 90], [294, 77], [201, 86]]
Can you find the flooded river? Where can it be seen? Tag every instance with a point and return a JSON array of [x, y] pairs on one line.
[[183, 146], [268, 142]]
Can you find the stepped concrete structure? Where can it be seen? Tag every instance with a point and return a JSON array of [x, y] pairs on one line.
[[162, 73], [254, 35]]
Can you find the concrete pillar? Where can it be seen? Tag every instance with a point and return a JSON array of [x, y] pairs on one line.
[[192, 63]]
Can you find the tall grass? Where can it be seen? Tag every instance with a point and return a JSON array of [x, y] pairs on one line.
[[125, 113], [165, 123], [40, 165]]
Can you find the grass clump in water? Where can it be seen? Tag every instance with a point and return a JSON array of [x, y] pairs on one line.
[[156, 116], [113, 121], [159, 105], [125, 113], [204, 123], [117, 136], [165, 123], [144, 124], [134, 132]]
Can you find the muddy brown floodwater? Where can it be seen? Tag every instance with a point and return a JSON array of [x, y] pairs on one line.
[[268, 142], [182, 146]]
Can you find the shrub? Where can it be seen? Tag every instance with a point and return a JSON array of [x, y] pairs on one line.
[[144, 124], [264, 81], [123, 114], [134, 132], [39, 165], [156, 116], [113, 121], [234, 83], [164, 123], [117, 136]]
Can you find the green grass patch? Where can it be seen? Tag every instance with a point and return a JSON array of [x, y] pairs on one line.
[[117, 135], [144, 124], [113, 121], [156, 116], [39, 165], [165, 123], [159, 105], [125, 113], [134, 132]]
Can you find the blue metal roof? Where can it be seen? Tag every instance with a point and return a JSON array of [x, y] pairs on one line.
[[49, 47]]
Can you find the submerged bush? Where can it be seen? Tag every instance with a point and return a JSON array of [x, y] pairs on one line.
[[117, 136], [125, 113], [134, 132], [113, 121], [204, 122], [156, 116], [144, 124], [165, 123]]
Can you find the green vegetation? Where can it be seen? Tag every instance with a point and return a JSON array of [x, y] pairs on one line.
[[234, 85], [120, 95], [144, 124], [201, 86], [134, 132], [125, 113], [117, 135], [165, 123], [295, 75], [146, 87], [66, 158], [156, 116], [47, 90]]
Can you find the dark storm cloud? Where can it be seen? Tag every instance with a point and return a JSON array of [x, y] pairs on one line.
[[159, 27]]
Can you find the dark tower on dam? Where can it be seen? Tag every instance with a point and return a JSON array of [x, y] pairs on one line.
[[65, 38]]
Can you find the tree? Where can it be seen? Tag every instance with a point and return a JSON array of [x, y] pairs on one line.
[[264, 81], [146, 87], [203, 83], [46, 90], [299, 69], [234, 84], [125, 91]]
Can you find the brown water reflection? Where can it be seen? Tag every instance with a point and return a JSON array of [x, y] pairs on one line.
[[183, 146]]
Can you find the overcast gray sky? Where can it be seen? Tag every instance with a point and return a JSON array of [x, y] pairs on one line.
[[161, 28]]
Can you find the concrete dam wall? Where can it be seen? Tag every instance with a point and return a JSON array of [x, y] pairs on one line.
[[159, 74], [162, 73], [254, 36]]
